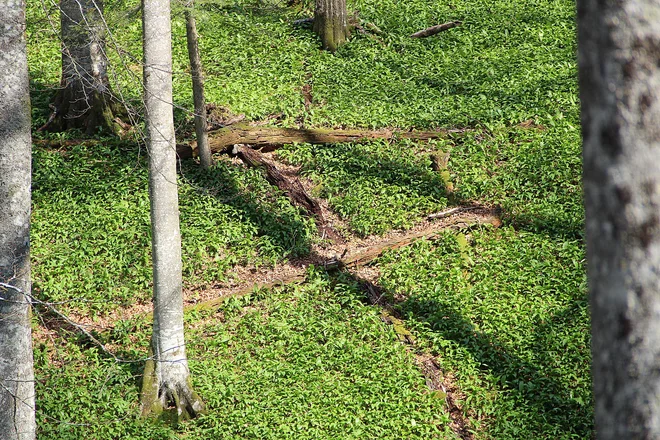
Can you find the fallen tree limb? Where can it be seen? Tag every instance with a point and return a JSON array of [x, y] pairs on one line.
[[214, 304], [291, 187], [428, 32], [272, 138], [361, 257], [369, 254], [451, 211]]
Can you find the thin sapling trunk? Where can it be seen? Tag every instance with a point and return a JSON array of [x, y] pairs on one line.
[[198, 88]]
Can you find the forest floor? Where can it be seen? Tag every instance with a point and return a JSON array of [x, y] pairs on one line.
[[474, 325]]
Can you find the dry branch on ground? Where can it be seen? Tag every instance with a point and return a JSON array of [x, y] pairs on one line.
[[433, 30], [291, 187], [273, 137], [364, 256]]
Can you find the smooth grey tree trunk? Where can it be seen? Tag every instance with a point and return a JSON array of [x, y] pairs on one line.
[[17, 418], [197, 74], [166, 382], [331, 23], [84, 100], [619, 64]]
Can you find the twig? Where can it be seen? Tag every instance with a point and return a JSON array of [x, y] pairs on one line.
[[428, 32], [450, 211]]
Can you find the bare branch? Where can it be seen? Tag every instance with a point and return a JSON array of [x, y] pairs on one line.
[[428, 32]]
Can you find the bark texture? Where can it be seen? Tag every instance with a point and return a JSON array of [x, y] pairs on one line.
[[270, 138], [17, 419], [618, 52], [198, 89], [291, 187], [166, 382], [434, 30], [331, 23], [84, 100]]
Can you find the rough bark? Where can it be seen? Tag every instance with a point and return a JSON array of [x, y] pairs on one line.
[[331, 23], [291, 187], [166, 382], [84, 100], [618, 47], [198, 88], [362, 256], [17, 419], [272, 137]]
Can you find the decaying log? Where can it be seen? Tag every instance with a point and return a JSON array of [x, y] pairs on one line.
[[291, 187], [271, 138], [428, 32]]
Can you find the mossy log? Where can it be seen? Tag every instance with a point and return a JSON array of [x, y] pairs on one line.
[[271, 138]]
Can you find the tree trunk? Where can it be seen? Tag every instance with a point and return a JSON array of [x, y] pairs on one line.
[[17, 418], [198, 89], [166, 384], [331, 23], [84, 100], [618, 49]]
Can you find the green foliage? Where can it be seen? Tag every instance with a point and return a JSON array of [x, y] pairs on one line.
[[82, 394], [507, 311], [377, 186], [308, 361], [91, 227]]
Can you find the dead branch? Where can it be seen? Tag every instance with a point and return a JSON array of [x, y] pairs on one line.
[[361, 258], [291, 187], [451, 211], [215, 303], [272, 138], [369, 254], [428, 32]]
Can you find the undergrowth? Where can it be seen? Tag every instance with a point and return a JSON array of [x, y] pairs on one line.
[[507, 312], [504, 311], [304, 361]]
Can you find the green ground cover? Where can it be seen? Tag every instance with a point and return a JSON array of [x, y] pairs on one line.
[[504, 310], [308, 361]]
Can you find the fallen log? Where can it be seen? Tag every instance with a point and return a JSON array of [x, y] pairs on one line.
[[291, 187], [214, 304], [360, 258], [428, 32], [271, 138]]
